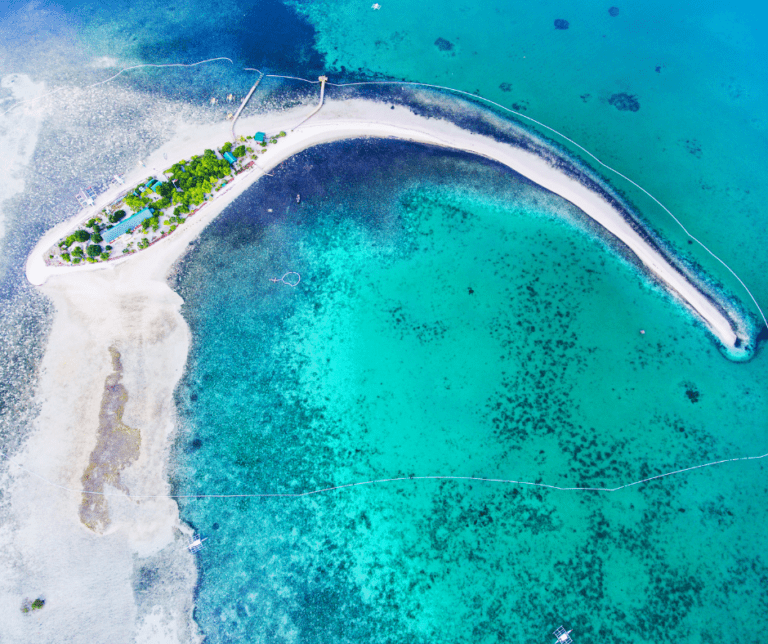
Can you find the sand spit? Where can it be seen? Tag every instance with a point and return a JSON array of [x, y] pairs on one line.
[[358, 118], [133, 581]]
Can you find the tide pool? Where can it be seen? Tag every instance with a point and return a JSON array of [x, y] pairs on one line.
[[453, 319]]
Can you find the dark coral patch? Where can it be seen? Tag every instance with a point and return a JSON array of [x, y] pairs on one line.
[[443, 44], [561, 24], [613, 11], [505, 87], [625, 102], [691, 392]]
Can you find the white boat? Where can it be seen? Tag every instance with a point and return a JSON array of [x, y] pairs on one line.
[[563, 636], [196, 544]]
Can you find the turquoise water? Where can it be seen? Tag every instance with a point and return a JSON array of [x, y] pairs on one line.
[[467, 326], [451, 319], [697, 142]]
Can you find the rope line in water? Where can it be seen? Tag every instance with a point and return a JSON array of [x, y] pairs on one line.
[[111, 78], [456, 91], [477, 479], [419, 478], [583, 149], [290, 282]]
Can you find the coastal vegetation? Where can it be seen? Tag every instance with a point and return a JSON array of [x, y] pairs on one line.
[[28, 606], [167, 201]]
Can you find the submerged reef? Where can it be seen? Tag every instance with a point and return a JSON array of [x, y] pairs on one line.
[[561, 24], [117, 446], [625, 102]]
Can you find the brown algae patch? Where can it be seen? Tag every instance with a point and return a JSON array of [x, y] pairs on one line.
[[117, 446]]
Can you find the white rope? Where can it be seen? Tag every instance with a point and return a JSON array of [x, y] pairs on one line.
[[456, 91], [478, 479], [583, 149], [111, 78]]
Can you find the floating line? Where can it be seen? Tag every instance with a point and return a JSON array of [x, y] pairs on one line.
[[290, 281], [477, 479], [456, 91], [111, 78], [583, 149]]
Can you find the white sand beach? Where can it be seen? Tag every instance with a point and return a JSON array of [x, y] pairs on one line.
[[127, 305]]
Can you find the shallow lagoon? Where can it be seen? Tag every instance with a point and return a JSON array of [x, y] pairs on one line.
[[453, 319]]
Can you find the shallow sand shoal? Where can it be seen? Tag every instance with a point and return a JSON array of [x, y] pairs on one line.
[[127, 304], [359, 118]]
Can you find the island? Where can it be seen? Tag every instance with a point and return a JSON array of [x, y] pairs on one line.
[[119, 343]]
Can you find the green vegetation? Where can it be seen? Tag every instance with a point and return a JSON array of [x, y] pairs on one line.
[[153, 222], [134, 202], [27, 606], [186, 186], [197, 178], [166, 189], [281, 134]]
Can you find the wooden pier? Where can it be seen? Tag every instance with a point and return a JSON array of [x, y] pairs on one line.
[[245, 100]]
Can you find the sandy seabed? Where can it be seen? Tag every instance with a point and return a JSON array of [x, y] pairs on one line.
[[128, 577]]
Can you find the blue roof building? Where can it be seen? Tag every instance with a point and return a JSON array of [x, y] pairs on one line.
[[157, 186], [126, 225], [230, 157], [259, 136]]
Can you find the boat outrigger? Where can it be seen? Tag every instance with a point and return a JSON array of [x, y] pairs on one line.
[[196, 544]]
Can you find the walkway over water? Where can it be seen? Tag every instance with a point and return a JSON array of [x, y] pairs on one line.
[[245, 101], [323, 80]]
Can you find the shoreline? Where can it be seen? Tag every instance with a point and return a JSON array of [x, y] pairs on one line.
[[351, 119], [127, 304]]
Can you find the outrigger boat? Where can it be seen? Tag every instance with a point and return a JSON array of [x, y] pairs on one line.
[[196, 544]]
